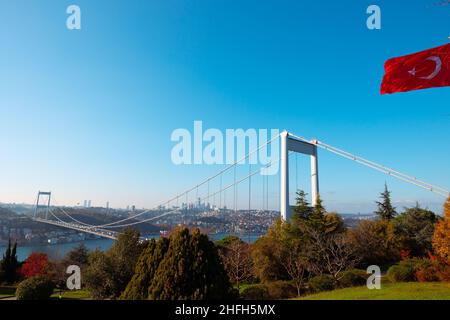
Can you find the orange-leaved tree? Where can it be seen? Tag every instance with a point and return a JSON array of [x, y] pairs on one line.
[[441, 237]]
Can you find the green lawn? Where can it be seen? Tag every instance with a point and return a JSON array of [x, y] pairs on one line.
[[389, 291], [71, 295], [7, 291]]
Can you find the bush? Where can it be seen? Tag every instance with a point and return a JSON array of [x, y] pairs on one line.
[[255, 292], [324, 282], [415, 269], [427, 274], [401, 272], [281, 290], [35, 288], [353, 278]]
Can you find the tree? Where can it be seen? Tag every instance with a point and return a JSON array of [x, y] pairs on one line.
[[99, 275], [191, 269], [333, 223], [385, 209], [302, 208], [108, 273], [124, 255], [237, 261], [330, 253], [441, 237], [35, 265], [77, 256], [267, 252], [148, 263], [317, 216], [415, 227], [375, 242], [9, 264], [296, 263]]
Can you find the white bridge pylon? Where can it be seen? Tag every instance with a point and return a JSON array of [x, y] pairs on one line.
[[289, 143]]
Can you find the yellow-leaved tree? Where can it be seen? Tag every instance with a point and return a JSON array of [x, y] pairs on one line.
[[441, 237]]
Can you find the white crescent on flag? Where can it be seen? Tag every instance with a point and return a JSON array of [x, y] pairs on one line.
[[438, 62]]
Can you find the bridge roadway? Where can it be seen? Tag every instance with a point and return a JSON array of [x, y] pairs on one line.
[[92, 230]]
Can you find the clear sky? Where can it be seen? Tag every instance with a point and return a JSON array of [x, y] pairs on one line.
[[88, 113]]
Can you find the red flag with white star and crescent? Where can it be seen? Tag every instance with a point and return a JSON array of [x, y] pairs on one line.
[[421, 70]]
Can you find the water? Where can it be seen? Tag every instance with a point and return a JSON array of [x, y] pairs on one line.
[[58, 251]]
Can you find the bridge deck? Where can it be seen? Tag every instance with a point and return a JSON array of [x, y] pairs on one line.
[[92, 230]]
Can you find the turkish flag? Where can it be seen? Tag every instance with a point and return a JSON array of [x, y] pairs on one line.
[[421, 70]]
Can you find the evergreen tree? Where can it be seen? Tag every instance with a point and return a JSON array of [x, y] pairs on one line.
[[385, 209], [148, 263], [9, 264], [333, 223], [302, 208], [77, 256], [190, 270], [317, 216]]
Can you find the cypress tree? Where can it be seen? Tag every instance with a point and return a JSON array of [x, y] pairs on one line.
[[148, 263], [9, 263], [385, 209], [190, 270]]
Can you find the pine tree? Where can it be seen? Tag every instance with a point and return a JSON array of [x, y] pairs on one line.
[[385, 209], [302, 208], [317, 216], [9, 264]]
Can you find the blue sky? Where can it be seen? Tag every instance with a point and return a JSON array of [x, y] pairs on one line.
[[88, 114]]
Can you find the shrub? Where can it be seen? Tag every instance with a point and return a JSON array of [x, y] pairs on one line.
[[324, 282], [255, 292], [441, 268], [415, 269], [281, 290], [427, 274], [35, 288], [401, 272], [353, 278], [443, 272]]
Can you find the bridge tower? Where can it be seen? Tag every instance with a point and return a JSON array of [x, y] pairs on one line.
[[47, 206], [289, 143]]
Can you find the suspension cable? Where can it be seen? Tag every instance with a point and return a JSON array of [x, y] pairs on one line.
[[198, 185], [401, 176]]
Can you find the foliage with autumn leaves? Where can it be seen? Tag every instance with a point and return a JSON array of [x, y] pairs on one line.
[[35, 265], [441, 237]]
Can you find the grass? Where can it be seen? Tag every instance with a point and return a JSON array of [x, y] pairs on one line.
[[7, 291], [389, 291], [71, 295]]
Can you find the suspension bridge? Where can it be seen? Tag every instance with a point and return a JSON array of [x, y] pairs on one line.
[[289, 144]]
